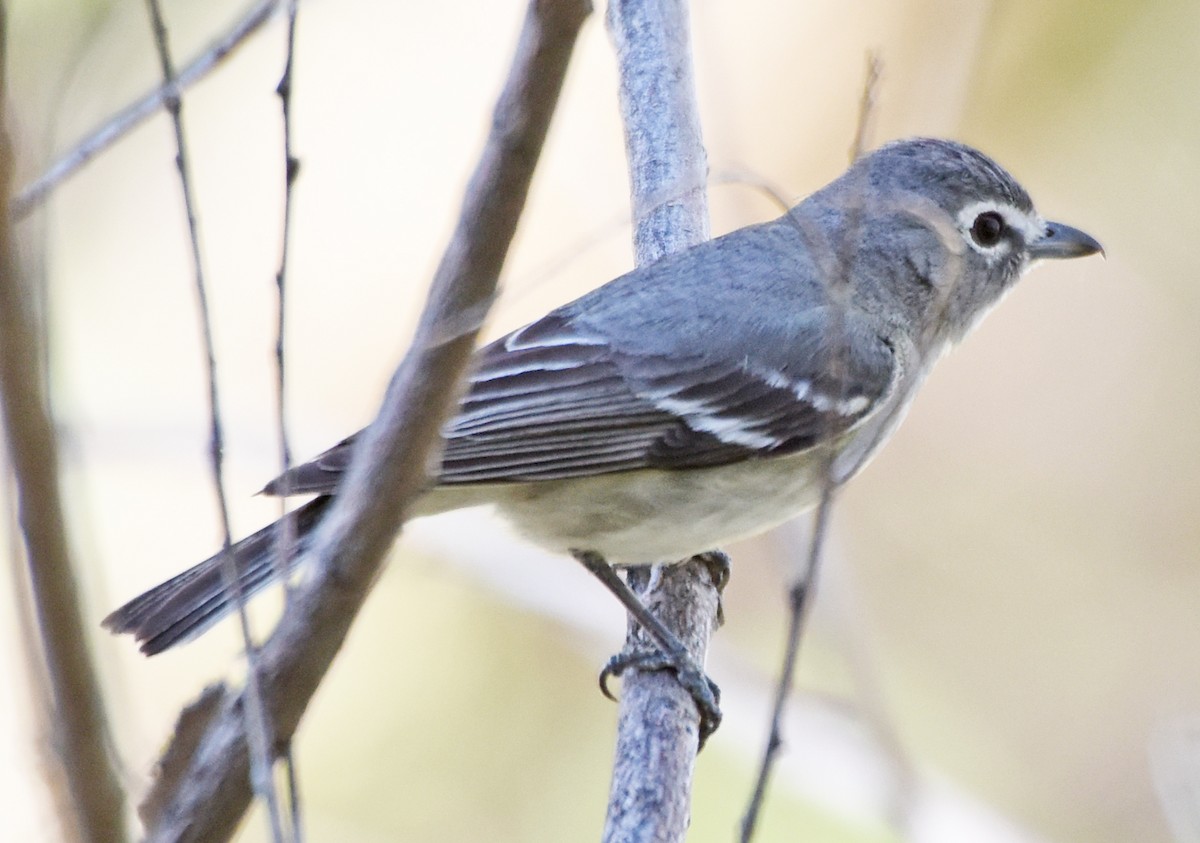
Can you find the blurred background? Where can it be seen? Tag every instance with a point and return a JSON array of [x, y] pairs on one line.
[[1006, 630]]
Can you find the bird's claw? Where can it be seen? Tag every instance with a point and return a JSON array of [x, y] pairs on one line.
[[704, 692]]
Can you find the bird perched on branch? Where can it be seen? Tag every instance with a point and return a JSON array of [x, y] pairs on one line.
[[707, 396]]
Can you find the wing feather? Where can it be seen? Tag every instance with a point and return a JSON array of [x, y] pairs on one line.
[[555, 401]]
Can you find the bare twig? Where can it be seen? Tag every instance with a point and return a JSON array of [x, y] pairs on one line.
[[847, 464], [80, 728], [650, 795], [257, 724], [291, 166], [121, 123], [64, 820], [207, 791], [800, 594], [867, 106], [745, 177], [287, 532], [799, 601]]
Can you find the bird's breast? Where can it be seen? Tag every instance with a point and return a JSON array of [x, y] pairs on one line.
[[652, 516]]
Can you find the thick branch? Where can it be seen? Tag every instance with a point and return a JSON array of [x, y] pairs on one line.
[[650, 798], [206, 778], [668, 168], [80, 727]]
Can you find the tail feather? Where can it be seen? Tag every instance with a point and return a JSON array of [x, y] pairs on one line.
[[187, 604]]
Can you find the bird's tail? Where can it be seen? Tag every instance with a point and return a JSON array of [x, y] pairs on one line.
[[189, 603]]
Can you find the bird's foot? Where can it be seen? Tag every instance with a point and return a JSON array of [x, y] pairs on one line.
[[704, 692]]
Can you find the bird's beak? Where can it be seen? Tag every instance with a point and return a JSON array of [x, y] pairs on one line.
[[1063, 241]]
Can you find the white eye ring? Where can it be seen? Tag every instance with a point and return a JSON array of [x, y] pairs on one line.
[[1030, 225]]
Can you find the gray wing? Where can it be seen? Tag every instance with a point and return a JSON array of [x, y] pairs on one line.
[[555, 400]]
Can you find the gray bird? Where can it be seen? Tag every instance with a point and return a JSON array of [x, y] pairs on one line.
[[707, 396]]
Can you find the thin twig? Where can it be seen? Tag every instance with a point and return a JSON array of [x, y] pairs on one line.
[[80, 734], [799, 600], [206, 780], [650, 793], [800, 594], [258, 726], [923, 347], [836, 269], [287, 535], [291, 167], [745, 177], [149, 104], [867, 106]]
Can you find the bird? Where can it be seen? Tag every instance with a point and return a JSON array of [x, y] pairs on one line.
[[707, 396]]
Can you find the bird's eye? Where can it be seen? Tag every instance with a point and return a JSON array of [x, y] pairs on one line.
[[987, 229]]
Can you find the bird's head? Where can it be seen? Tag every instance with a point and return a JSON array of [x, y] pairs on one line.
[[948, 228]]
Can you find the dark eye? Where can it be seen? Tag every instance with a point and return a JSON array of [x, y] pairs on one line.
[[987, 229]]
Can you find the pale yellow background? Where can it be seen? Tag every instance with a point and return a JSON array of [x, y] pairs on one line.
[[1013, 584]]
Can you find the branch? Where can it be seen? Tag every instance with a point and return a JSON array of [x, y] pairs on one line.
[[800, 598], [668, 168], [867, 106], [258, 724], [128, 118], [657, 739], [80, 728], [801, 592], [204, 787], [287, 535]]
